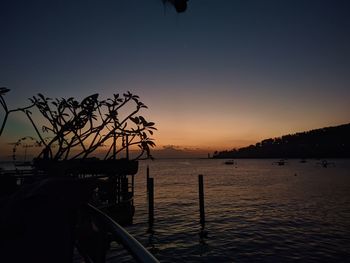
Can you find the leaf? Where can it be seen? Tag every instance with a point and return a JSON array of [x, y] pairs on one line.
[[135, 120], [144, 122], [150, 124], [41, 96], [89, 101], [151, 143]]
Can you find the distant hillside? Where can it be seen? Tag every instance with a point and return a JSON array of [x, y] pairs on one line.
[[329, 142]]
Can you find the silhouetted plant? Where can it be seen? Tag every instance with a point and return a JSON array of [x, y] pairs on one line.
[[7, 112], [77, 129]]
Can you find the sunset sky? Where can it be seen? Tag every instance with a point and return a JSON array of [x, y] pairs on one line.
[[224, 74]]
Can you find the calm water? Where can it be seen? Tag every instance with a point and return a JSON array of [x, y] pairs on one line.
[[255, 212]]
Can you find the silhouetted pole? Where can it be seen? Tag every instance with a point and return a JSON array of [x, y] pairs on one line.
[[201, 200], [114, 145], [147, 178], [150, 202], [127, 147]]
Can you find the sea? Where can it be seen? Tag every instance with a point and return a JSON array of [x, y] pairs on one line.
[[255, 211]]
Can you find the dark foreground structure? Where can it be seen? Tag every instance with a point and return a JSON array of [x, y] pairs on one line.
[[56, 207], [68, 199]]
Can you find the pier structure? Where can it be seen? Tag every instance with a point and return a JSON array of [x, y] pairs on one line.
[[113, 180]]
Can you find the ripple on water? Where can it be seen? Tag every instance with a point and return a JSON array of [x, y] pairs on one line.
[[256, 212]]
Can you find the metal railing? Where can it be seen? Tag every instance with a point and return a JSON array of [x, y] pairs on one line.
[[139, 252]]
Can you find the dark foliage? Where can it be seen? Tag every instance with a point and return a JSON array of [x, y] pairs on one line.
[[179, 5], [330, 142]]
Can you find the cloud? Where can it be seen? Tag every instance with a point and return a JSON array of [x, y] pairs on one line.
[[175, 151]]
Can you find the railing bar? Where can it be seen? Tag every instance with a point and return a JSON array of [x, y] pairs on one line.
[[140, 253]]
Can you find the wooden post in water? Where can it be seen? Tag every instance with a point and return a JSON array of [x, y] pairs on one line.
[[114, 145], [127, 147], [147, 178], [201, 200], [150, 202]]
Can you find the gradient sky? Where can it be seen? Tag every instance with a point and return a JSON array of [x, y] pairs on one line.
[[224, 74]]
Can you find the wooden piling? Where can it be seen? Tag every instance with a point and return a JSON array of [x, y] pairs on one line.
[[201, 200], [114, 146], [150, 202], [147, 178], [133, 187], [127, 147]]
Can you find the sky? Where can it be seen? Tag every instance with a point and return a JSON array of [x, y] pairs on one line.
[[221, 75]]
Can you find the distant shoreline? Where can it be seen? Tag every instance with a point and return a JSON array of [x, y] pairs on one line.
[[328, 142]]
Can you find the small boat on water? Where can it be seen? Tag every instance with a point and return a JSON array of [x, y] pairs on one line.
[[326, 164], [280, 162], [229, 162]]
